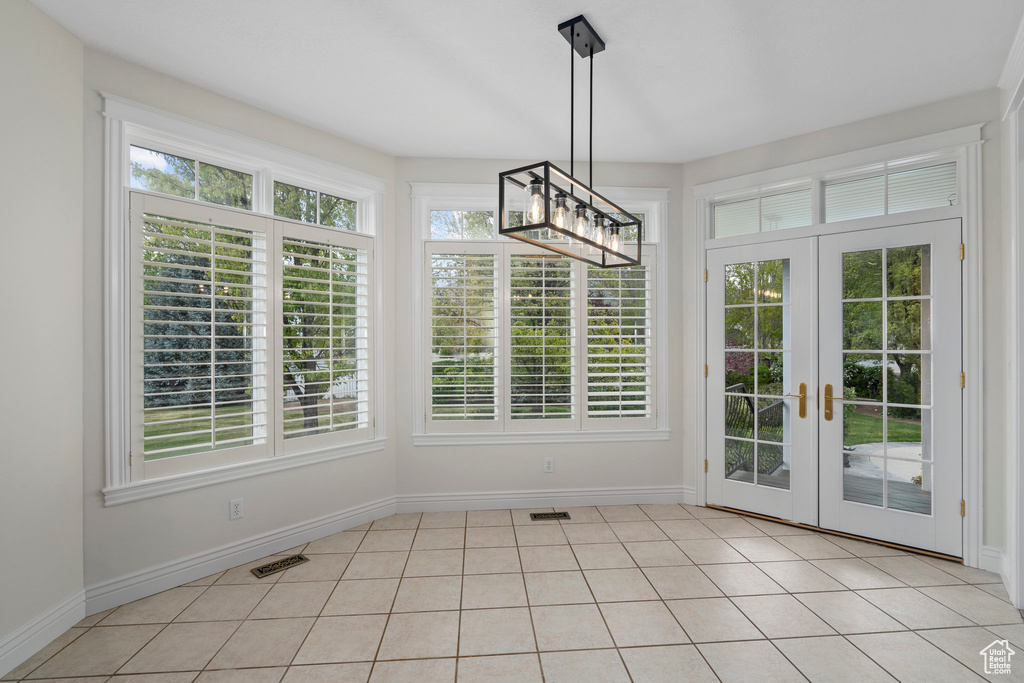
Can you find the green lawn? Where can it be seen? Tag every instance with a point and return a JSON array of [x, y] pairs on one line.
[[861, 428], [196, 419]]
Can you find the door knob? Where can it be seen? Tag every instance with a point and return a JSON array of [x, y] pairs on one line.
[[802, 396]]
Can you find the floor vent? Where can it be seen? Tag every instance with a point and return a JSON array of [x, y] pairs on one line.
[[278, 565], [537, 516]]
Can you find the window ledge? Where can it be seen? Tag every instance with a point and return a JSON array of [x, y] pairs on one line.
[[151, 488], [502, 438]]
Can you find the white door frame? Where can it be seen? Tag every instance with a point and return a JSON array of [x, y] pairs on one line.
[[965, 143]]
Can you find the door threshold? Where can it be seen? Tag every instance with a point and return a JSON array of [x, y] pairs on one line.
[[830, 532]]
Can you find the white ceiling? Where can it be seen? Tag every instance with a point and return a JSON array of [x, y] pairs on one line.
[[680, 80]]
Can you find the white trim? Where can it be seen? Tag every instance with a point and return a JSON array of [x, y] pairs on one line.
[[934, 144], [702, 211], [993, 560], [1014, 576], [1011, 79], [506, 438], [497, 500], [973, 349], [18, 647]]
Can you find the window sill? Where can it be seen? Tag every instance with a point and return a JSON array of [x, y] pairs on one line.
[[151, 488], [514, 438]]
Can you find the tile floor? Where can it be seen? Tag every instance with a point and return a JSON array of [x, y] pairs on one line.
[[642, 593]]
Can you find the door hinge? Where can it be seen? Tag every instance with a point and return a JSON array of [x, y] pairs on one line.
[[705, 370], [129, 458], [129, 215], [705, 275], [374, 422], [705, 465], [961, 251], [963, 380], [963, 508]]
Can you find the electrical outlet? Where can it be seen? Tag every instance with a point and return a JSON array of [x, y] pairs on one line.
[[549, 465], [235, 509]]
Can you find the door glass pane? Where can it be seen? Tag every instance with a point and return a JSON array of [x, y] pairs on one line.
[[739, 416], [862, 376], [862, 274], [903, 433], [739, 372], [770, 419], [771, 373], [862, 325], [904, 324], [772, 467], [903, 379], [909, 270], [909, 486], [739, 460], [739, 283], [739, 328], [772, 280], [769, 327]]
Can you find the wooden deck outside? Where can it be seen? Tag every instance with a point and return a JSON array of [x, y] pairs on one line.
[[867, 490]]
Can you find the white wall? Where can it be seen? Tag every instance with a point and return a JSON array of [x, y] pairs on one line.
[[123, 540], [41, 314]]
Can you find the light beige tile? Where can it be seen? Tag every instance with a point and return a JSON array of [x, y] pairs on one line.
[[522, 517], [642, 623], [701, 512], [814, 547], [862, 549], [565, 627], [328, 673], [492, 561], [741, 579], [966, 644], [776, 529], [429, 594], [782, 616], [94, 619], [968, 574], [439, 539], [685, 529], [620, 585], [481, 591], [177, 677], [406, 520], [710, 551], [913, 609], [557, 588], [856, 574], [622, 513], [638, 531], [225, 603], [749, 661], [344, 542], [800, 577], [442, 520], [496, 632], [667, 664], [975, 604], [713, 619], [242, 574], [262, 675], [304, 599], [294, 550], [1012, 632], [657, 554], [831, 659], [434, 563], [489, 518], [658, 511], [419, 670], [913, 571], [591, 666], [500, 669], [182, 647], [265, 642], [376, 565], [762, 549], [681, 582], [420, 635], [996, 589], [548, 534], [361, 527], [732, 528], [342, 639], [490, 537], [75, 679], [377, 541], [368, 596], [319, 568], [603, 556], [49, 650], [101, 651], [909, 657], [593, 532], [547, 558], [582, 515], [847, 612], [156, 609]]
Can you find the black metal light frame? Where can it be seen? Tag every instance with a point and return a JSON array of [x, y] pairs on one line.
[[583, 40]]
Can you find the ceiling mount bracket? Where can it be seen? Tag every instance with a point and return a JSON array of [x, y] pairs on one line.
[[582, 36]]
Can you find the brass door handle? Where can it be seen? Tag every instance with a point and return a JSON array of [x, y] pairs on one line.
[[828, 402], [802, 405]]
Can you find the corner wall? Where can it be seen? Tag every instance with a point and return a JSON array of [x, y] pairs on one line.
[[41, 343]]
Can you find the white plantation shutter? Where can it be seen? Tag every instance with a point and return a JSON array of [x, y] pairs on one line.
[[922, 188], [542, 353], [200, 336], [325, 283], [463, 332], [619, 378]]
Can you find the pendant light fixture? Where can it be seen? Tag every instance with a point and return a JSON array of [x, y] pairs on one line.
[[545, 206]]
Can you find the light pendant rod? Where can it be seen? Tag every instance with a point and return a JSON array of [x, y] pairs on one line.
[[572, 112]]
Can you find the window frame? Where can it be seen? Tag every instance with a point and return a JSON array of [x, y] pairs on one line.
[[130, 124], [427, 197]]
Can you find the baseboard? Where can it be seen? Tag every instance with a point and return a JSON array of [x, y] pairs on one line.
[[690, 495], [38, 633], [496, 500], [116, 592], [993, 560]]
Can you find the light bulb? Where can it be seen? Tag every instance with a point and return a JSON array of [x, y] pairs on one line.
[[561, 217], [582, 226], [613, 243], [599, 228], [534, 203]]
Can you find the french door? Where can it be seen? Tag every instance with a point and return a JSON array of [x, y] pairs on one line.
[[869, 321]]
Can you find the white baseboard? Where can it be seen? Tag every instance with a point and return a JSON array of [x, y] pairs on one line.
[[690, 495], [37, 634], [993, 560], [116, 592]]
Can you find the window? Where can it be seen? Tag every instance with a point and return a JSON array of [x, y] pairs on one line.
[[311, 206], [181, 177], [762, 214]]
